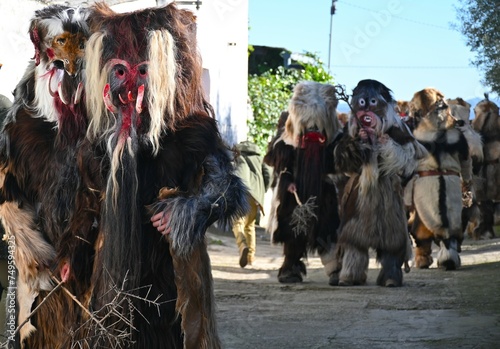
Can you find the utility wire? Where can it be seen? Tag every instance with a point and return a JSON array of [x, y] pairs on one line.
[[395, 16], [400, 67]]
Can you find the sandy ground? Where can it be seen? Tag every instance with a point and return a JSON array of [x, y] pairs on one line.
[[433, 309]]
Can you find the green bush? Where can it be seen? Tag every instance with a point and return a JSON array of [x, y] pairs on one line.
[[270, 93]]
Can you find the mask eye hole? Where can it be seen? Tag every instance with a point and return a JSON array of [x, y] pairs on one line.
[[373, 102], [143, 70], [361, 102], [120, 71], [59, 64]]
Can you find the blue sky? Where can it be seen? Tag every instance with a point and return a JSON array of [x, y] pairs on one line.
[[406, 44]]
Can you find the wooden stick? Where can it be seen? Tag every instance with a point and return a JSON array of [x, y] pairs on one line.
[[297, 198]]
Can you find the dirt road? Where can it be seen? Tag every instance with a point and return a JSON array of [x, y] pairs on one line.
[[434, 308]]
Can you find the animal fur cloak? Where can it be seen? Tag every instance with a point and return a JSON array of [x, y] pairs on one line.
[[304, 217], [487, 124], [437, 187], [460, 111], [155, 138], [39, 176], [152, 145], [377, 153]]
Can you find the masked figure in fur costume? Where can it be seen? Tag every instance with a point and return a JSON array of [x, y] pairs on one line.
[[487, 123], [377, 152], [301, 156], [460, 111], [154, 137], [436, 190], [39, 174]]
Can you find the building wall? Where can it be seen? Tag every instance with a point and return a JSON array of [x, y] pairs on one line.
[[16, 49], [222, 38]]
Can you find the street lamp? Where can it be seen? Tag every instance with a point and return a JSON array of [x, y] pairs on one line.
[[332, 12]]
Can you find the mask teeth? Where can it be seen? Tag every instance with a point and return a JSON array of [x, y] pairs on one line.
[[61, 95], [121, 99]]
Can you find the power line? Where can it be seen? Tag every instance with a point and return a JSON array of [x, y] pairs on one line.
[[395, 16], [399, 67]]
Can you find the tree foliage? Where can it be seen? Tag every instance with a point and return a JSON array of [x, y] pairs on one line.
[[270, 92], [480, 24]]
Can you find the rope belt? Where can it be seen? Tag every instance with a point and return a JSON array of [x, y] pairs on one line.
[[437, 173]]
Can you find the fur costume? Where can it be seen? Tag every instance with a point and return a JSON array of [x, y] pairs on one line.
[[487, 123], [460, 111], [154, 136], [39, 174], [151, 145], [301, 155], [436, 190], [377, 152]]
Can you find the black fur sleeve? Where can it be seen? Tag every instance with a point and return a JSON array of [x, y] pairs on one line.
[[215, 193], [350, 155]]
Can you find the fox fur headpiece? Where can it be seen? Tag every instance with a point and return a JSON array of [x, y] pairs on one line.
[[59, 34], [430, 107], [432, 113], [487, 117]]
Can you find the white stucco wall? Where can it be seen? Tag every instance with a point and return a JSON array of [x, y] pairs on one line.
[[222, 38], [16, 49]]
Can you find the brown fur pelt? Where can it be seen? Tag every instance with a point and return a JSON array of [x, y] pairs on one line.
[[39, 136], [487, 123], [376, 153], [403, 108], [300, 154], [437, 189], [151, 128], [343, 117]]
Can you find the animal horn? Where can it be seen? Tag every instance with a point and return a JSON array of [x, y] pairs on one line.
[[140, 97], [78, 93]]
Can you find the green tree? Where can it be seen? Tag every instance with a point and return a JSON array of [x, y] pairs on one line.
[[270, 92], [480, 24]]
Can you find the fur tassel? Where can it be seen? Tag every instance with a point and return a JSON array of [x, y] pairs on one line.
[[94, 87], [162, 85]]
